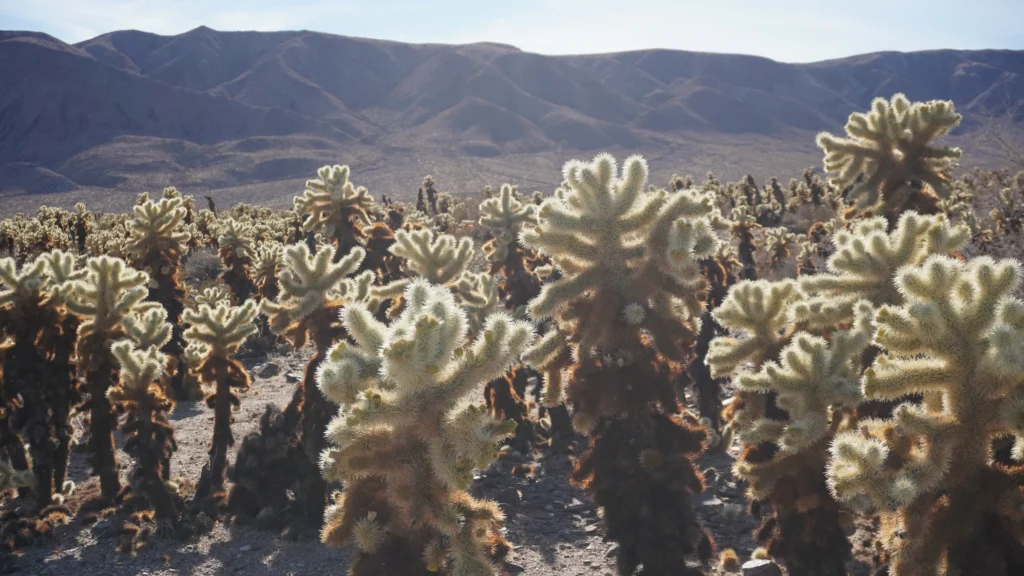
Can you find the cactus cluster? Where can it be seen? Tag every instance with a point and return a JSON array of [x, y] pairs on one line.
[[873, 361]]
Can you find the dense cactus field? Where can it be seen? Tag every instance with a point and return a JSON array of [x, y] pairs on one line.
[[843, 353]]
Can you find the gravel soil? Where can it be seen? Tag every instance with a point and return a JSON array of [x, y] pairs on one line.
[[555, 529]]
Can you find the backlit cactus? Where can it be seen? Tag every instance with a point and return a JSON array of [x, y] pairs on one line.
[[107, 293], [158, 241], [333, 206], [624, 314], [891, 146], [213, 337], [403, 390], [959, 341]]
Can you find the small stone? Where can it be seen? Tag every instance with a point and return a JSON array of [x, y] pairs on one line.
[[707, 501], [245, 548], [613, 551], [590, 529], [710, 474], [510, 497], [268, 370], [760, 568], [292, 377]]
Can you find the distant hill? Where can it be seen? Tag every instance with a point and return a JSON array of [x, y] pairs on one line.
[[250, 115]]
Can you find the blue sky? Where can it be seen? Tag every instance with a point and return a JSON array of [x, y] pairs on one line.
[[786, 30]]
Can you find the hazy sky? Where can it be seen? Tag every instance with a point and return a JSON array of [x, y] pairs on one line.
[[786, 30]]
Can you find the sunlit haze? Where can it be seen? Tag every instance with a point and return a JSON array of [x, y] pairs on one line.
[[788, 30]]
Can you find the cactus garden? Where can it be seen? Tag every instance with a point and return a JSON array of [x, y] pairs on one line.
[[817, 377]]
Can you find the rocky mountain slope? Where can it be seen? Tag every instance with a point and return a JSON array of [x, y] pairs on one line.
[[249, 115]]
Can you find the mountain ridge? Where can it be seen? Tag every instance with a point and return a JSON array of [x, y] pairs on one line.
[[207, 111]]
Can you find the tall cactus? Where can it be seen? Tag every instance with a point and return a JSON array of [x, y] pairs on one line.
[[213, 336], [107, 293], [623, 317], [157, 244], [946, 507], [403, 391], [314, 290], [891, 147]]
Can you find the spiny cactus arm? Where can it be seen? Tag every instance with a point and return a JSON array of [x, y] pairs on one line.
[[158, 227], [479, 295], [891, 145], [468, 440], [213, 296], [60, 268], [268, 261], [223, 329], [439, 258], [758, 312], [498, 345], [349, 370], [812, 377], [235, 239]]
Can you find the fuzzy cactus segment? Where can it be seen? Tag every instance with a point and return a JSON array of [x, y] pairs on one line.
[[891, 146], [158, 228], [404, 392], [159, 239], [957, 340], [504, 217]]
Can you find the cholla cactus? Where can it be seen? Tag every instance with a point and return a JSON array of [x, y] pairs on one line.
[[140, 392], [107, 293], [626, 305], [742, 227], [236, 252], [334, 207], [267, 264], [891, 146], [866, 259], [214, 335], [437, 258], [213, 296], [403, 389], [39, 388], [504, 217], [314, 289], [958, 340], [158, 242], [786, 417]]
